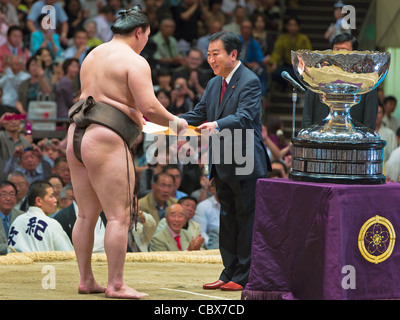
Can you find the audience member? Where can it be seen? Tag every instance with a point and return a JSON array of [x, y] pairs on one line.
[[93, 39], [57, 185], [164, 96], [163, 79], [29, 161], [196, 77], [13, 46], [65, 94], [66, 196], [67, 218], [61, 17], [386, 134], [45, 38], [239, 16], [390, 104], [214, 12], [51, 149], [79, 48], [187, 15], [276, 133], [281, 59], [173, 237], [181, 97], [35, 230], [52, 68], [12, 80], [174, 171], [336, 27], [273, 13], [281, 167], [252, 55], [203, 41], [9, 12], [103, 21], [10, 138], [8, 212], [22, 184], [35, 87], [207, 214], [392, 166], [61, 168], [261, 34], [157, 201], [76, 16], [167, 53], [140, 237]]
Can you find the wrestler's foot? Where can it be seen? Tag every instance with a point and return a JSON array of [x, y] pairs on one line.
[[91, 288], [124, 292]]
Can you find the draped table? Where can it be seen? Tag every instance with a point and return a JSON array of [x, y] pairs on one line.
[[325, 241]]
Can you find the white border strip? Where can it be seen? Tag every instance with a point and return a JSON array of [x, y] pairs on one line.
[[197, 294]]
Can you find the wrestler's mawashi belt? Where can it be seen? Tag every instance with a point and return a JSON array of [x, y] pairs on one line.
[[87, 112]]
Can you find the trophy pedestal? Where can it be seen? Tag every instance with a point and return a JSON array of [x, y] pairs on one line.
[[338, 162]]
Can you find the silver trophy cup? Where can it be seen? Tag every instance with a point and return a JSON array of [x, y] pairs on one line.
[[338, 149]]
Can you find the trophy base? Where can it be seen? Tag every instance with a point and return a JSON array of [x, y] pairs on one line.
[[337, 162]]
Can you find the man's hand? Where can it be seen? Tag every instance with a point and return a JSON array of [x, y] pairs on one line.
[[209, 126], [196, 243]]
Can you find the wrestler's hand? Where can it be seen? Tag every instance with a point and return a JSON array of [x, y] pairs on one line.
[[182, 125]]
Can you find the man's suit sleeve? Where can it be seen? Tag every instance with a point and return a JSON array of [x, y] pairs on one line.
[[371, 109]]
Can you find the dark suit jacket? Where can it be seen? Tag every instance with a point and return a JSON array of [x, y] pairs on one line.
[[240, 109], [3, 238], [364, 112]]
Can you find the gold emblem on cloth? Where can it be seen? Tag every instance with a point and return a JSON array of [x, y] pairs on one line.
[[376, 239]]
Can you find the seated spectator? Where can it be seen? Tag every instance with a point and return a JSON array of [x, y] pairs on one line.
[[281, 59], [146, 178], [164, 96], [66, 196], [103, 21], [392, 166], [239, 15], [10, 138], [61, 22], [35, 230], [261, 34], [252, 55], [76, 16], [276, 134], [52, 69], [61, 168], [336, 27], [389, 104], [214, 12], [91, 28], [57, 185], [273, 14], [163, 79], [189, 204], [172, 237], [22, 184], [45, 38], [8, 212], [174, 171], [140, 159], [65, 94], [167, 53], [13, 46], [67, 218], [281, 167], [9, 12], [196, 77], [12, 80], [204, 41], [157, 201], [139, 237], [181, 97], [79, 48], [29, 161], [386, 134], [208, 214], [33, 88], [51, 149]]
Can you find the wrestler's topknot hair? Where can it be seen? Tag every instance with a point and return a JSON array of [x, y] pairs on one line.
[[129, 20]]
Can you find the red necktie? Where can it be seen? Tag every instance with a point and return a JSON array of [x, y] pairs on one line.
[[178, 242], [224, 85]]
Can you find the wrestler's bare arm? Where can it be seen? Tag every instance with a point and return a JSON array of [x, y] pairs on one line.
[[141, 87]]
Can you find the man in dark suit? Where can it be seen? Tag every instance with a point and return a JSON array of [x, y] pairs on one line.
[[233, 119], [364, 112]]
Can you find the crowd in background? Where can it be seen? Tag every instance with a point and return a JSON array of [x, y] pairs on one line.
[[40, 61]]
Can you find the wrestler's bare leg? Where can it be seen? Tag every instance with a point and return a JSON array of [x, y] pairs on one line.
[[83, 232], [104, 155]]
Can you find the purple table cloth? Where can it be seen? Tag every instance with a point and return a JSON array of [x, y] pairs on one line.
[[306, 241]]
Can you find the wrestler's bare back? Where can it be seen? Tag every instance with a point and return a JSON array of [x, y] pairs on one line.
[[106, 75]]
